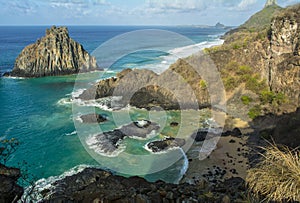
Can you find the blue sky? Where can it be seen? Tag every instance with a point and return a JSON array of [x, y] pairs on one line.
[[129, 12]]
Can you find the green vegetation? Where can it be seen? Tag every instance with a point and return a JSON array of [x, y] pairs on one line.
[[212, 49], [246, 100], [255, 84], [269, 97], [262, 19], [276, 177], [254, 112], [234, 74], [203, 84], [243, 70]]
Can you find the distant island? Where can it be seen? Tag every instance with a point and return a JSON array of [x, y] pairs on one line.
[[54, 54]]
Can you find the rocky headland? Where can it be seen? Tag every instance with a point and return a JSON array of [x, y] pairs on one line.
[[260, 71], [52, 55]]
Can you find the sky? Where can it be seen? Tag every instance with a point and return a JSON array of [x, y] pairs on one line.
[[130, 12]]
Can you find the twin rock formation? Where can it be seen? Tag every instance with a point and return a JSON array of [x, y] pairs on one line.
[[54, 54]]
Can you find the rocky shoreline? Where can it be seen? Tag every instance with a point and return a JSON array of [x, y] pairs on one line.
[[220, 177], [96, 185]]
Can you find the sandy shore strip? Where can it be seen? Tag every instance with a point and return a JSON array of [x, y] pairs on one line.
[[228, 160]]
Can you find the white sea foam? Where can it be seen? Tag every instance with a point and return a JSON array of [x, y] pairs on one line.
[[180, 52], [149, 136], [71, 133], [64, 101], [97, 145], [77, 93], [16, 78], [185, 165], [47, 183]]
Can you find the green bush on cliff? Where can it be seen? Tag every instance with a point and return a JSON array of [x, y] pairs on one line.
[[242, 70], [203, 84], [255, 84], [269, 97], [246, 99], [212, 49], [254, 112], [230, 83]]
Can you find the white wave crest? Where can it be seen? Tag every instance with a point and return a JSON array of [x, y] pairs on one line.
[[100, 146]]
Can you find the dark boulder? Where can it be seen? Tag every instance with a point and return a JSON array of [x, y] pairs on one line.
[[93, 118], [10, 191], [236, 132], [167, 143], [174, 124], [200, 135]]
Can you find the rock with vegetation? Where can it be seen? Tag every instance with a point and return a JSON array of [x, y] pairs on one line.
[[145, 89], [52, 55], [260, 68], [10, 191]]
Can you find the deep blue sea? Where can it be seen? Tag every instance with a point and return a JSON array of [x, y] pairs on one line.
[[38, 113]]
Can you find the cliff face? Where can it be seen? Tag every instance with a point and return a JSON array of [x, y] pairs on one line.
[[262, 65], [259, 69], [54, 54], [285, 53]]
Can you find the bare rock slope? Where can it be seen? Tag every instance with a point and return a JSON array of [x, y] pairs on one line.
[[52, 55]]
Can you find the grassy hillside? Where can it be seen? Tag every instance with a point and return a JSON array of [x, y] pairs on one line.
[[261, 19]]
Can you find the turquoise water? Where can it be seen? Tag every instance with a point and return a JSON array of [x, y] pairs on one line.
[[35, 112]]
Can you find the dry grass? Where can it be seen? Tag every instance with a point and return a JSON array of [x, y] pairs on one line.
[[277, 176]]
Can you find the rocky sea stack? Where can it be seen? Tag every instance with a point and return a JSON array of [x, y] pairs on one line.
[[52, 55]]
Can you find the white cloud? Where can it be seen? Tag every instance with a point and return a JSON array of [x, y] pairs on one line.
[[189, 6], [157, 6], [20, 6], [245, 5]]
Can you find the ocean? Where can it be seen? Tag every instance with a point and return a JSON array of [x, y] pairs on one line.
[[38, 112]]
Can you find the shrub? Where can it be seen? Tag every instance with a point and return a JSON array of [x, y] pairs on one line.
[[236, 46], [266, 97], [242, 70], [232, 66], [254, 112], [256, 85], [230, 83], [203, 84], [246, 99], [211, 49], [269, 97], [277, 176]]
